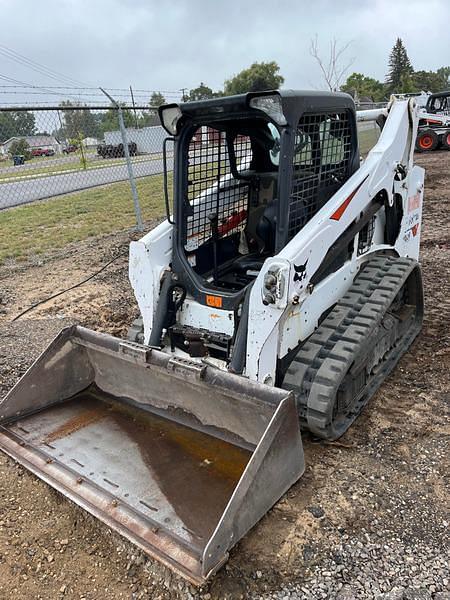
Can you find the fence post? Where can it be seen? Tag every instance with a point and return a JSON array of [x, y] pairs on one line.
[[126, 150]]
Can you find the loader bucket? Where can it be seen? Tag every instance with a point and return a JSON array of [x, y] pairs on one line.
[[180, 458]]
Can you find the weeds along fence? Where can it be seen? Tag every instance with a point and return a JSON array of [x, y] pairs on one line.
[[48, 152]]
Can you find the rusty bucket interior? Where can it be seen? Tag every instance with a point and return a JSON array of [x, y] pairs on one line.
[[181, 458]]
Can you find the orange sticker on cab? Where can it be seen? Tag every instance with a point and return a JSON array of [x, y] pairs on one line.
[[215, 301]]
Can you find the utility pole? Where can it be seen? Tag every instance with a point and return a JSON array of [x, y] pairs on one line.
[[63, 129], [184, 96], [134, 107]]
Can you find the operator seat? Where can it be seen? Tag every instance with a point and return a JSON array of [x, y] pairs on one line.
[[266, 232]]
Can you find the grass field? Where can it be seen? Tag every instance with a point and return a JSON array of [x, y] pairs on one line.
[[367, 139], [43, 226]]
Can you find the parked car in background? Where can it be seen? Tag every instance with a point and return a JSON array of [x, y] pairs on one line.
[[70, 148], [42, 152]]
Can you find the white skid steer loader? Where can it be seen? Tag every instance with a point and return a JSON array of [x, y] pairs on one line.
[[434, 123], [278, 294]]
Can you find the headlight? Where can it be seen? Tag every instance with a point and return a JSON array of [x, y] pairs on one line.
[[271, 105], [170, 115]]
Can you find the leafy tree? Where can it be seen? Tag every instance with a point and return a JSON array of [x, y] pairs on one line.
[[400, 69], [431, 81], [257, 78], [407, 85], [361, 85], [148, 118], [157, 99], [202, 92], [78, 122], [19, 147], [110, 119], [16, 123], [78, 143], [444, 72]]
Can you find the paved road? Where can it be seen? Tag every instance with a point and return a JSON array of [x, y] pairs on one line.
[[35, 165], [14, 193]]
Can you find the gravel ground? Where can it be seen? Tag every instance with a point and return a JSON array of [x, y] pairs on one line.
[[369, 519]]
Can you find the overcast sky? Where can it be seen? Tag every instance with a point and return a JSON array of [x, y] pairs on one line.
[[167, 45]]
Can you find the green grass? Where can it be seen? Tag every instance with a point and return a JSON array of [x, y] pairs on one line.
[[367, 139], [44, 226]]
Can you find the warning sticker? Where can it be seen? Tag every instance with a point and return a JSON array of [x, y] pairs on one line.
[[414, 202], [215, 301]]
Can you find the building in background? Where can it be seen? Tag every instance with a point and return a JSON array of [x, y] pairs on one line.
[[35, 142], [90, 142]]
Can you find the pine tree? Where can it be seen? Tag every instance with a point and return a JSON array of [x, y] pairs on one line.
[[400, 68]]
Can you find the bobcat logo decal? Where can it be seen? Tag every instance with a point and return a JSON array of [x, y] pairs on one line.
[[300, 272]]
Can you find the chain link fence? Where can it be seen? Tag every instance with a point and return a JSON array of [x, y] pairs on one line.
[[100, 167], [48, 152]]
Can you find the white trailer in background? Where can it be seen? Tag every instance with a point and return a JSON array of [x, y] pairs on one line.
[[149, 140]]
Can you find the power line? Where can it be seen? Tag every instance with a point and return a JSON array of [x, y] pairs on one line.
[[66, 87], [140, 96], [38, 67], [16, 93]]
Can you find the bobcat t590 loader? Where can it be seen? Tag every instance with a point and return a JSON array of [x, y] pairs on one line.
[[434, 123], [278, 294]]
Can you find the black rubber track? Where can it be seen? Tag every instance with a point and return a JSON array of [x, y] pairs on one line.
[[352, 341]]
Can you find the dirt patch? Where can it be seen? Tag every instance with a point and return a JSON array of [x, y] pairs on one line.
[[372, 501]]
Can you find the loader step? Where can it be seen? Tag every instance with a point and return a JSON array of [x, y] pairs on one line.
[[357, 345]]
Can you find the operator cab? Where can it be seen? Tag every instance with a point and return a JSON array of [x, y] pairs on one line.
[[250, 171], [230, 200], [439, 103]]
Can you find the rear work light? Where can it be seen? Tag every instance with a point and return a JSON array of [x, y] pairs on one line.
[[170, 115], [271, 105]]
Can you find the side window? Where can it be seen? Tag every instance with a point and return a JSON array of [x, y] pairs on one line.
[[332, 146]]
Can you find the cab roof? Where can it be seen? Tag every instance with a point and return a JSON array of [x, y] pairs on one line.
[[294, 103]]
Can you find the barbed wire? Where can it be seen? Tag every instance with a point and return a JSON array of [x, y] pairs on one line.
[[33, 95], [97, 104]]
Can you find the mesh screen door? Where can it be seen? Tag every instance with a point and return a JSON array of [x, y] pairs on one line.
[[212, 189], [322, 154]]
